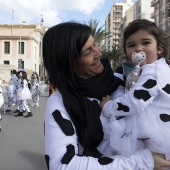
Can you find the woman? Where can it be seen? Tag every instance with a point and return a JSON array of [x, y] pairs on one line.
[[73, 120]]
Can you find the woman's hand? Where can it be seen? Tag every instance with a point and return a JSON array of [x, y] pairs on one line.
[[104, 100], [159, 161]]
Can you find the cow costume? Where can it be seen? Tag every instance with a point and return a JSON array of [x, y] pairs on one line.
[[141, 117]]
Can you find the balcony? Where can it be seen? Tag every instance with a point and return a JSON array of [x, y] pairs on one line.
[[152, 3]]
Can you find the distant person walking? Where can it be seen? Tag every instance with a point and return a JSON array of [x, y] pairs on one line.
[[11, 90], [35, 89], [23, 94]]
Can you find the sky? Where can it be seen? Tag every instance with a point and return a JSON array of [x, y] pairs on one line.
[[54, 11]]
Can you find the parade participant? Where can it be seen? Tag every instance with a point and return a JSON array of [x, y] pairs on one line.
[[73, 119], [23, 94], [35, 89], [1, 101], [11, 90]]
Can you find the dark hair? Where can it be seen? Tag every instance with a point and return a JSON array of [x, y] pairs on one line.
[[151, 28], [24, 75], [62, 45], [36, 75], [13, 72]]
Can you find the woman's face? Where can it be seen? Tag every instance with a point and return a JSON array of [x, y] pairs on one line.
[[89, 64], [143, 41]]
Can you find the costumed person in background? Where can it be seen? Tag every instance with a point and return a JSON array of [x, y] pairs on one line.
[[73, 120], [141, 117], [17, 83], [1, 100], [11, 90], [35, 89], [23, 94]]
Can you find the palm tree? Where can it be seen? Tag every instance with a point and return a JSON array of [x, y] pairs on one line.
[[115, 56], [98, 34]]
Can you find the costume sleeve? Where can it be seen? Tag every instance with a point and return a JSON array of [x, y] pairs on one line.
[[120, 91], [64, 152], [138, 98]]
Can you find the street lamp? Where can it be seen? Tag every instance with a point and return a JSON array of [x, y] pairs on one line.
[[20, 60]]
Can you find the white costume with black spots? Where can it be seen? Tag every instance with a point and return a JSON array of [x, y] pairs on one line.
[[23, 94], [11, 92], [1, 97], [17, 84], [1, 102], [63, 150], [146, 113], [35, 91]]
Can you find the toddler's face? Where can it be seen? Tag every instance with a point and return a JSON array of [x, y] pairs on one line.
[[142, 41]]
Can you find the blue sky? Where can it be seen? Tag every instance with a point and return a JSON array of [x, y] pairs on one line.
[[54, 11]]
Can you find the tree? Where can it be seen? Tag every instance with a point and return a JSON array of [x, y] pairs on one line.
[[98, 34], [115, 56]]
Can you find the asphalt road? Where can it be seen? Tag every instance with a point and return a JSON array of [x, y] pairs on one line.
[[22, 139]]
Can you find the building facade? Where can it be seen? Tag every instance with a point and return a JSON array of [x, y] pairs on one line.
[[112, 23], [161, 16], [21, 48]]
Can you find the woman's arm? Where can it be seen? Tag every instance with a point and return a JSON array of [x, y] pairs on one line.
[[63, 151]]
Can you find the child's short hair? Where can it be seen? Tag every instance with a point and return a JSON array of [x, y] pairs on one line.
[[151, 28]]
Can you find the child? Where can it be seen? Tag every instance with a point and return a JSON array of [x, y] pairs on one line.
[[35, 89], [141, 117], [11, 90], [23, 94]]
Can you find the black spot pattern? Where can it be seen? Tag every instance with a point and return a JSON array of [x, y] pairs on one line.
[[105, 160], [143, 139], [47, 158], [142, 94], [149, 84], [123, 107], [120, 117], [64, 124], [140, 72], [68, 155], [167, 89], [165, 117]]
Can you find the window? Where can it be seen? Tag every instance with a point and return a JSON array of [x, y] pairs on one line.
[[157, 19], [6, 62], [7, 47], [163, 14], [21, 48], [157, 5], [139, 9]]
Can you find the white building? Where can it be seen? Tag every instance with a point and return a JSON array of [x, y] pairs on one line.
[[112, 23]]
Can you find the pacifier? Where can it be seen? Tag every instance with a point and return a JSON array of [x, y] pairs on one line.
[[138, 58]]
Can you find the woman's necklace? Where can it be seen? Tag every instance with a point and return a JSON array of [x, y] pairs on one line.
[[132, 77]]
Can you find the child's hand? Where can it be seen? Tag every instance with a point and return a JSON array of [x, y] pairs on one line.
[[104, 100]]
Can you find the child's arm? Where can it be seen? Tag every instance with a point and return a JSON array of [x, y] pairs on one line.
[[137, 99]]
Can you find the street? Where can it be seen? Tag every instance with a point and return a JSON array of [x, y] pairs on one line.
[[22, 139]]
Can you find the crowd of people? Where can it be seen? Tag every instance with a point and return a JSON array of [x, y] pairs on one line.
[[20, 90]]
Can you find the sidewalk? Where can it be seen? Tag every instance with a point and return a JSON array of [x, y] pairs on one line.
[[22, 139]]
